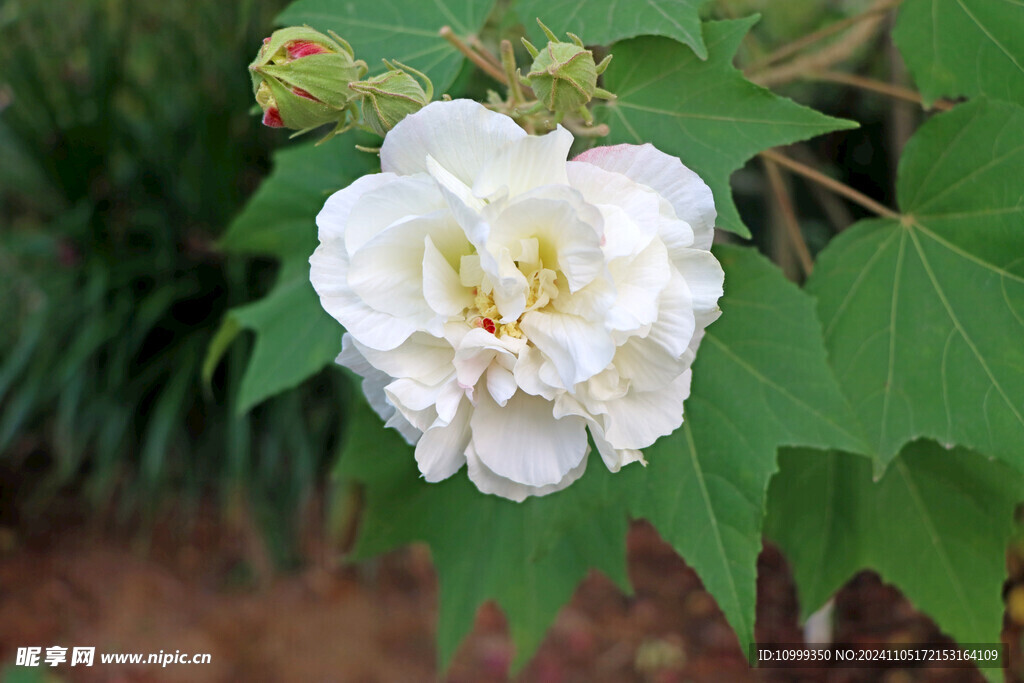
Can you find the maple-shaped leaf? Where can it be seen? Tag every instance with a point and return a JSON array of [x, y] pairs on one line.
[[924, 316], [704, 112]]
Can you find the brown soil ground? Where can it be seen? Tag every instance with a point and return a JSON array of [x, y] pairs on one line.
[[207, 591]]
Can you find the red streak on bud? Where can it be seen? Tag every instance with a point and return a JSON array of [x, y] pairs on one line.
[[488, 325], [272, 118], [266, 40], [302, 93], [305, 48]]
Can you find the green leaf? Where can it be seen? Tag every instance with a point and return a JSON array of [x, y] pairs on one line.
[[528, 557], [605, 22], [936, 525], [704, 112], [963, 47], [760, 381], [279, 219], [295, 338], [402, 30], [924, 316]]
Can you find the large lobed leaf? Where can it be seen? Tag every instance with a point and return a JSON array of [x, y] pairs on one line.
[[937, 525], [600, 23], [760, 380], [295, 338], [704, 112], [964, 47], [924, 316], [402, 30], [528, 557]]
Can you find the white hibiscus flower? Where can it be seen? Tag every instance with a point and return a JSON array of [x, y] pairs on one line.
[[500, 301]]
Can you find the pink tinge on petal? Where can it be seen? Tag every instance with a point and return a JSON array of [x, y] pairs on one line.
[[595, 154], [302, 93], [272, 118], [304, 48]]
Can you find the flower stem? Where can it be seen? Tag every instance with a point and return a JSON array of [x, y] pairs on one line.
[[473, 56], [830, 183], [833, 53], [508, 62], [789, 219], [811, 38], [873, 85]]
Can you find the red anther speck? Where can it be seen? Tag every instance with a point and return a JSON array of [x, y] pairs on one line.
[[272, 118], [304, 48], [488, 325]]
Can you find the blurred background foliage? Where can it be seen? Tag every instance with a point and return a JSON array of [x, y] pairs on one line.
[[128, 144]]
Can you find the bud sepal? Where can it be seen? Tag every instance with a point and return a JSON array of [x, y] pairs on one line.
[[391, 96], [300, 78], [564, 75]]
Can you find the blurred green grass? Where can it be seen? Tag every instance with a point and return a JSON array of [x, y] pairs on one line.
[[127, 146]]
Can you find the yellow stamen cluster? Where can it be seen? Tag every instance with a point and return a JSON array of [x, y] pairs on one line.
[[542, 289]]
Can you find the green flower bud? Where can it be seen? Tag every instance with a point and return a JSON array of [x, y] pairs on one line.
[[300, 78], [391, 96], [564, 75]]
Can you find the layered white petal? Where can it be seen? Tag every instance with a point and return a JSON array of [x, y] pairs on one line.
[[462, 135], [689, 195], [501, 302], [640, 418], [523, 441], [440, 452], [578, 348], [329, 274], [526, 163], [373, 383], [333, 220], [387, 272], [442, 290], [489, 482]]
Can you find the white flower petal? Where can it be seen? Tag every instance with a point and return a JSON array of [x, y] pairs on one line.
[[442, 289], [489, 482], [522, 441], [501, 384], [689, 195], [638, 419], [373, 383], [676, 323], [704, 278], [639, 282], [631, 211], [526, 163], [440, 452], [461, 135], [379, 208], [329, 274], [333, 219], [560, 223], [387, 272], [578, 348], [422, 357]]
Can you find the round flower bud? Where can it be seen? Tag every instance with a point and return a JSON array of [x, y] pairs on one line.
[[564, 75], [391, 96], [300, 78]]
